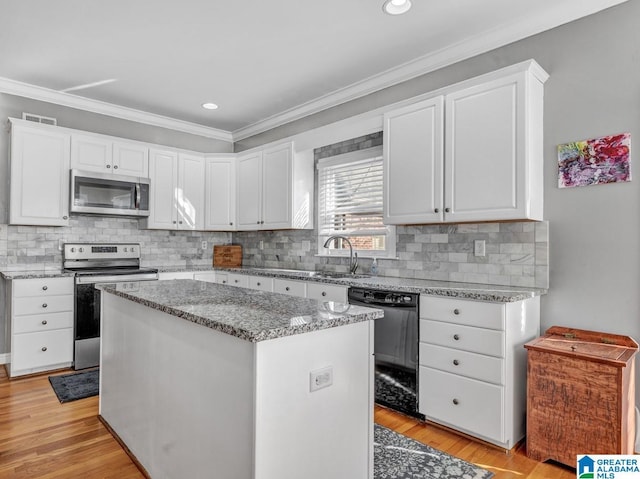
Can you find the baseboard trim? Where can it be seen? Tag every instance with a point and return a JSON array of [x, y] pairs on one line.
[[131, 455], [4, 358]]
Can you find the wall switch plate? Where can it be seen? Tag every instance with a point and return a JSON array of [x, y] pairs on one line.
[[320, 378], [204, 245], [479, 248]]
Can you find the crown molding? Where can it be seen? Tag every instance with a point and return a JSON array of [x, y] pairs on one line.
[[34, 92], [468, 48]]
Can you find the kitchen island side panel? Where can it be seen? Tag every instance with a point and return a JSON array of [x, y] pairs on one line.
[[326, 433], [179, 395]]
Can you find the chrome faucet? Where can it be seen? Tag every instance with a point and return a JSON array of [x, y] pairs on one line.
[[353, 257]]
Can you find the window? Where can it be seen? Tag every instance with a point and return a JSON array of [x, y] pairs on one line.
[[350, 205]]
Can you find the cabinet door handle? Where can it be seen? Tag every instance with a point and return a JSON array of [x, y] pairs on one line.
[[324, 293], [174, 222], [65, 217], [447, 210], [456, 311], [262, 222], [258, 222], [108, 166], [456, 362], [44, 348], [44, 305], [115, 167], [44, 321], [236, 281], [287, 288], [456, 337], [180, 221], [258, 284], [224, 281], [45, 287], [437, 210], [455, 401], [231, 223]]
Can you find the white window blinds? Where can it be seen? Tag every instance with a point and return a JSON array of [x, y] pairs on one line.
[[350, 194]]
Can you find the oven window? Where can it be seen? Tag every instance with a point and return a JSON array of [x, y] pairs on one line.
[[87, 316]]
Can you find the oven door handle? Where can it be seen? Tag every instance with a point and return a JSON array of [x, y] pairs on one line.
[[138, 196], [116, 278]]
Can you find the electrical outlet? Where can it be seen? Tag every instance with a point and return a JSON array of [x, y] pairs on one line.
[[261, 246], [320, 378], [479, 248], [204, 245]]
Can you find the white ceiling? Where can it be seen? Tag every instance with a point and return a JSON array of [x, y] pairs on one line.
[[263, 63]]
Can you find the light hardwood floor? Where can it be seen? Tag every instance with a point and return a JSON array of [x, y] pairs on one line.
[[41, 438]]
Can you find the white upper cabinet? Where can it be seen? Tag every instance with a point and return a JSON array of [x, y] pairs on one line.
[[249, 191], [39, 185], [220, 193], [105, 155], [413, 163], [190, 194], [163, 173], [275, 189], [491, 169], [177, 191]]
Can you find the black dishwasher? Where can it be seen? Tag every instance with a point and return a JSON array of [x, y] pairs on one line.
[[396, 340]]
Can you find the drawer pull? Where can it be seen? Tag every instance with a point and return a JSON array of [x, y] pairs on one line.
[[456, 311], [44, 321], [455, 401], [44, 348], [287, 288], [44, 305], [324, 293], [456, 362], [224, 281], [235, 281], [456, 337], [258, 284], [45, 287]]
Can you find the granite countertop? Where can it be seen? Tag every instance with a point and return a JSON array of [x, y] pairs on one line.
[[34, 274], [247, 314], [472, 291]]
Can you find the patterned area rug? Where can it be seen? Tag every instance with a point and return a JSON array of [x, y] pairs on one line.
[[399, 457], [70, 387]]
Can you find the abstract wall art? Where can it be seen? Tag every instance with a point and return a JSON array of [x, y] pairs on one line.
[[594, 162]]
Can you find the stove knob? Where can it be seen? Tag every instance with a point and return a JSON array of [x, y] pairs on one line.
[[73, 250], [125, 249], [81, 250]]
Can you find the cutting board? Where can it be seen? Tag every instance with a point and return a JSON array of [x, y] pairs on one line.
[[227, 256]]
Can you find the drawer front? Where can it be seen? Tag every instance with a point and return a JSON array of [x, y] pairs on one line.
[[471, 365], [466, 338], [35, 350], [460, 311], [42, 322], [240, 280], [473, 406], [46, 304], [42, 287], [292, 288], [176, 275], [261, 283], [327, 292]]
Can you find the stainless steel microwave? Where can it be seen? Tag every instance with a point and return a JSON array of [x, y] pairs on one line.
[[109, 194]]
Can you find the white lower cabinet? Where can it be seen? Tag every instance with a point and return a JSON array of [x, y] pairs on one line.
[[261, 283], [175, 275], [327, 292], [40, 324], [290, 287], [473, 365]]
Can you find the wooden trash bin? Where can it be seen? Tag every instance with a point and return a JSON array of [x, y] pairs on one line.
[[580, 394]]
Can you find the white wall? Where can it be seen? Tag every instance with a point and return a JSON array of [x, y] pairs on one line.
[[594, 90]]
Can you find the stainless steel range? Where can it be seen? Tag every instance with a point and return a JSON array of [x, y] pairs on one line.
[[98, 263]]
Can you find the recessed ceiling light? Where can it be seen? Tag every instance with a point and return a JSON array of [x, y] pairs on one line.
[[209, 106], [396, 7]]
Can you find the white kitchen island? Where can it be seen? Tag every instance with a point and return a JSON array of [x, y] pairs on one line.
[[202, 380]]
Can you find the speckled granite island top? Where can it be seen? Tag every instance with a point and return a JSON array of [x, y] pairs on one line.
[[247, 314]]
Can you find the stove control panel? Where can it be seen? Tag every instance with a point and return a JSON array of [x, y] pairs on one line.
[[85, 251]]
